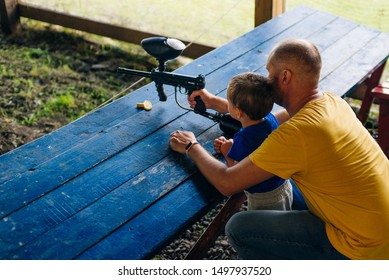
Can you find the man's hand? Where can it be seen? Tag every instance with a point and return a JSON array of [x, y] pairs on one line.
[[180, 139]]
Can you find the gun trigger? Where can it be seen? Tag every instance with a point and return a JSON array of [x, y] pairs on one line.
[[180, 89]]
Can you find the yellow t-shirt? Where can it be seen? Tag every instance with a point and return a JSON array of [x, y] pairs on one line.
[[341, 171]]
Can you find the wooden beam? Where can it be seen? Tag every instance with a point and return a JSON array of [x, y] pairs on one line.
[[209, 236], [279, 7], [100, 28], [9, 13], [263, 11], [267, 9]]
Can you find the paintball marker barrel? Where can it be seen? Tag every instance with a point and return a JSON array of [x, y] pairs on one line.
[[168, 78], [189, 83]]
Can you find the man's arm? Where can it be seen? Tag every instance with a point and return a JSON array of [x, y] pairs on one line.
[[227, 180], [282, 116]]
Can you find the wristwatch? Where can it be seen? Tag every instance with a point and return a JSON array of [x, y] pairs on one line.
[[189, 146]]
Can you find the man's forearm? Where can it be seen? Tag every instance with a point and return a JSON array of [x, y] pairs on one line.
[[227, 180], [209, 166], [282, 116]]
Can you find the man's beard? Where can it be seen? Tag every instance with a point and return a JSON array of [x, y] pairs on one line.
[[277, 92]]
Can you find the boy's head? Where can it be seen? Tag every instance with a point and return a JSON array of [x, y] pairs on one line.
[[252, 94]]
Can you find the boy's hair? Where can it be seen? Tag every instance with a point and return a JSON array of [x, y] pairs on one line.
[[252, 93]]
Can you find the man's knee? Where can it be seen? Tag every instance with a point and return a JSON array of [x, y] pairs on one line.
[[236, 224]]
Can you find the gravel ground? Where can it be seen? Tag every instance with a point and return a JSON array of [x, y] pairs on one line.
[[179, 248]]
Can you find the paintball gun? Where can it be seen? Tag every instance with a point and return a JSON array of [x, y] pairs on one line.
[[164, 49]]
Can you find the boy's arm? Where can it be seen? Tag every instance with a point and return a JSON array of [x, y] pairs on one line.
[[224, 149]]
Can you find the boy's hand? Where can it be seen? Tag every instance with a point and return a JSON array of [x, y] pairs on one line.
[[217, 143], [226, 146], [222, 145]]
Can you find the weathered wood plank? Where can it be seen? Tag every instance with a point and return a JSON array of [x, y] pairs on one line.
[[254, 59], [146, 234], [108, 212], [87, 155], [57, 171], [84, 189], [347, 76]]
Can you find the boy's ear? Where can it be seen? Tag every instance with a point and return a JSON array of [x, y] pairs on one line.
[[240, 113]]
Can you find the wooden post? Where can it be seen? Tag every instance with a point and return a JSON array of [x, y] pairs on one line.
[[267, 9], [9, 13]]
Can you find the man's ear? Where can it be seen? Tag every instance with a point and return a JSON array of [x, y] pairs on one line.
[[286, 76]]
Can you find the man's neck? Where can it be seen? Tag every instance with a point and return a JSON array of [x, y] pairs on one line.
[[293, 108]]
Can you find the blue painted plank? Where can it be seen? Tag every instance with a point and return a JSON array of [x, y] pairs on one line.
[[340, 52], [358, 67], [112, 210], [150, 231], [80, 158], [55, 207], [336, 49]]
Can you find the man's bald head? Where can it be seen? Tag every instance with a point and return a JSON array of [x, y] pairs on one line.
[[297, 55]]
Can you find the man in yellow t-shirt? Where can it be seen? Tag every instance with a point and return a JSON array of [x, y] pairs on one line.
[[321, 145]]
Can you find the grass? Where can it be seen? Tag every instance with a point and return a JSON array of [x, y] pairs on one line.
[[50, 77]]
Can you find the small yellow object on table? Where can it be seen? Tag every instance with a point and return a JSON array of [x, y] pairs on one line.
[[145, 105]]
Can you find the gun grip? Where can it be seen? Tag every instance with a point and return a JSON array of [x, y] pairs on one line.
[[200, 106], [161, 92]]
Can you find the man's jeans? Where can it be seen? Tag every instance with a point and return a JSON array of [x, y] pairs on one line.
[[274, 234]]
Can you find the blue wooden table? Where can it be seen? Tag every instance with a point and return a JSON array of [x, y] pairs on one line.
[[107, 186]]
